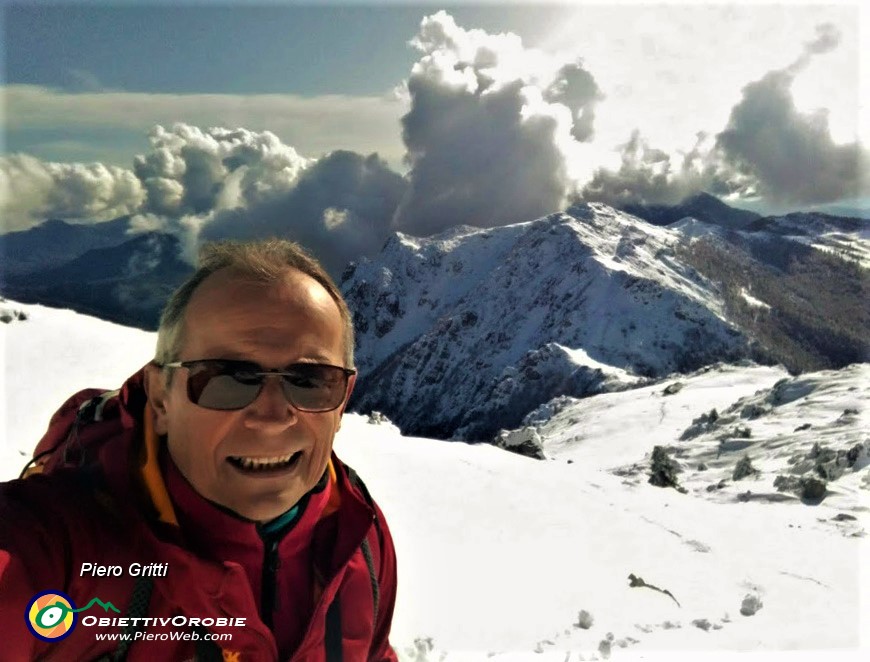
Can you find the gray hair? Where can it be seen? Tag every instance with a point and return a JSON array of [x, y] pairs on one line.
[[265, 261]]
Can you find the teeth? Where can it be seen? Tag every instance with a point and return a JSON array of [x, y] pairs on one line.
[[262, 462]]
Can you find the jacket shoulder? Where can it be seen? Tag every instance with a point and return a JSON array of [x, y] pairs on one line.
[[46, 516]]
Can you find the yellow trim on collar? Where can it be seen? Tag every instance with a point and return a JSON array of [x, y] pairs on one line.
[[150, 470], [156, 487]]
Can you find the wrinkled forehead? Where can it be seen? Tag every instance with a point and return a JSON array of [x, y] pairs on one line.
[[233, 311], [293, 288]]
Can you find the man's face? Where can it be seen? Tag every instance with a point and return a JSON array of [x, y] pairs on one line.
[[294, 321]]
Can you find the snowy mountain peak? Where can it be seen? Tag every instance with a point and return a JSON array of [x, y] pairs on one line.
[[464, 333]]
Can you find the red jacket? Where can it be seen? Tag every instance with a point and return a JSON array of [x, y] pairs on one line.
[[124, 509]]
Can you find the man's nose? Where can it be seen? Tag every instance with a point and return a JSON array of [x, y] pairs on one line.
[[271, 407]]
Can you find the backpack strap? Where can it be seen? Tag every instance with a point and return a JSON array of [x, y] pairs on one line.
[[333, 632], [138, 609], [357, 482], [84, 407], [333, 614]]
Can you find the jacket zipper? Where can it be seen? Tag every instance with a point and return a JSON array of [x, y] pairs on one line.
[[268, 595]]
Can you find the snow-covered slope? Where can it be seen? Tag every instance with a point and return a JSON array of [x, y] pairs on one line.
[[791, 428], [49, 355], [846, 237], [464, 333], [506, 558]]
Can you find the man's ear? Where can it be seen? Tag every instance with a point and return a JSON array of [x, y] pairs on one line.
[[155, 389]]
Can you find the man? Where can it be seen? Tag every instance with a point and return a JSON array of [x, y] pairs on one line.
[[216, 521]]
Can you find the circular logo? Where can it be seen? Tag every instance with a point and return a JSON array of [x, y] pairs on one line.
[[50, 615]]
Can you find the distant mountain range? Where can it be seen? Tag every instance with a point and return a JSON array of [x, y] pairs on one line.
[[111, 275], [701, 206], [55, 242], [464, 333]]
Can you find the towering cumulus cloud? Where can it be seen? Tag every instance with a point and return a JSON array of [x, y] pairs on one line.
[[242, 184], [651, 176], [340, 207], [792, 155], [219, 183], [490, 125], [191, 171], [768, 149], [32, 190]]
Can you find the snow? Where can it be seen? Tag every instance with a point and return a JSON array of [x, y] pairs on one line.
[[482, 310], [752, 301], [849, 238], [499, 554], [51, 355]]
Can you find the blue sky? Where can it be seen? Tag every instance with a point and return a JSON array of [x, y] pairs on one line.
[[105, 103], [236, 48]]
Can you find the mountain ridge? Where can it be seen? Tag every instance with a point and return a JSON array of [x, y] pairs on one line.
[[505, 340]]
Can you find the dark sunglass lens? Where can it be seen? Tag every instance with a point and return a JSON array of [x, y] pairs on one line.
[[315, 387], [216, 385]]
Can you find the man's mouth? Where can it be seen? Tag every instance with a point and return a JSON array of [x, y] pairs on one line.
[[263, 464]]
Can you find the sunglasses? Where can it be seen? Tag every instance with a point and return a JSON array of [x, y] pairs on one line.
[[226, 385]]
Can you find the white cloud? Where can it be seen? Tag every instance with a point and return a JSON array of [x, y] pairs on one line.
[[334, 218], [790, 153], [767, 148], [195, 171], [202, 184], [490, 130], [648, 175], [32, 190]]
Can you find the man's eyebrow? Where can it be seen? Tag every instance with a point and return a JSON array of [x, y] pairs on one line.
[[239, 355], [314, 358]]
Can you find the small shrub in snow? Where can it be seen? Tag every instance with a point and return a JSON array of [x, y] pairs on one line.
[[844, 517], [829, 470], [813, 489], [663, 469], [5, 317], [807, 488], [700, 425], [853, 455], [751, 604], [829, 464], [786, 484], [753, 411], [743, 468], [604, 646], [419, 651], [21, 315], [584, 620], [702, 623], [821, 453], [377, 418], [671, 389]]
